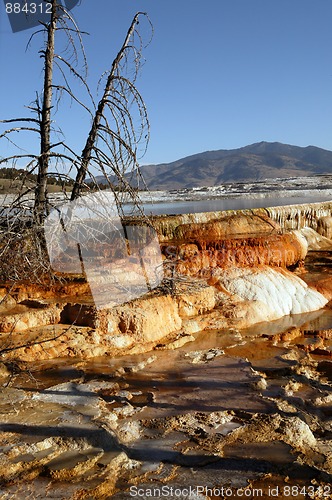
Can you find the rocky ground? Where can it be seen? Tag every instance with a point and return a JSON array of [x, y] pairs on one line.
[[221, 404], [229, 411], [234, 412]]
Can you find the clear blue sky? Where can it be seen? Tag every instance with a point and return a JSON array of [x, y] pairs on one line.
[[219, 74]]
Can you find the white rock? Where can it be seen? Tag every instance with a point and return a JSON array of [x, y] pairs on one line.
[[281, 291]]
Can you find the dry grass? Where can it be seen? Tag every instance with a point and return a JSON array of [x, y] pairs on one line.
[[10, 186]]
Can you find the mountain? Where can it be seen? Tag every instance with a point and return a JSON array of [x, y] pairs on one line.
[[256, 162]]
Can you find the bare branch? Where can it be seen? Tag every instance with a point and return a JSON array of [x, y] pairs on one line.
[[73, 96], [13, 120], [72, 70], [17, 157], [18, 129]]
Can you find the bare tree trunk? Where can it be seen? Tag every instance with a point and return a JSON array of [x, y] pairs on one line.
[[119, 123], [91, 140], [40, 207]]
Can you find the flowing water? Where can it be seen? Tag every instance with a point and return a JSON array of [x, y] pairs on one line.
[[231, 409], [236, 409], [214, 412]]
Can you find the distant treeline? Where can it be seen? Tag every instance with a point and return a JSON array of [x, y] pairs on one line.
[[20, 173], [58, 180]]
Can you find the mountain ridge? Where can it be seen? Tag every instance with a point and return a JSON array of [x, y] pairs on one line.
[[251, 163]]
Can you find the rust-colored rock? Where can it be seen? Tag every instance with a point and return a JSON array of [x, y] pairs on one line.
[[200, 256], [233, 255], [68, 287], [226, 227]]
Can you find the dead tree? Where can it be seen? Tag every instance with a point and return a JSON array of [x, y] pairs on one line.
[[119, 139], [112, 143], [40, 207]]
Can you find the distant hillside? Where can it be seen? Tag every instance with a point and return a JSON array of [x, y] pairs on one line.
[[263, 160], [13, 179]]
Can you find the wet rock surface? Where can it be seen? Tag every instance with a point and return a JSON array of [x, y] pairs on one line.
[[218, 283], [195, 394], [232, 409]]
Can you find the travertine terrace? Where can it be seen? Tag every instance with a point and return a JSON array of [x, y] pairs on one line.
[[220, 378]]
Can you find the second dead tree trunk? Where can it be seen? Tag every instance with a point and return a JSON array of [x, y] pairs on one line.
[[93, 134]]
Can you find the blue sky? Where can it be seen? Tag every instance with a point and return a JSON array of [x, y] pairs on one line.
[[219, 74]]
